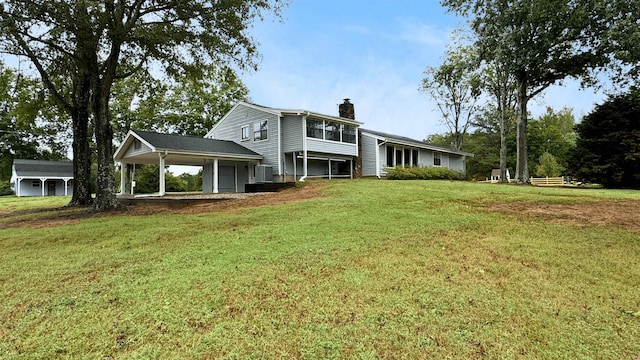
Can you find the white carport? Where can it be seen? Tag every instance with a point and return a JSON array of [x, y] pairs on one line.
[[143, 147]]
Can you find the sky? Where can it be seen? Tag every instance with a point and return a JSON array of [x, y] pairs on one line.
[[373, 52]]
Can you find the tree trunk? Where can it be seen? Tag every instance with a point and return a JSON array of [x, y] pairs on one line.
[[522, 166], [81, 150], [105, 189], [503, 145], [81, 159]]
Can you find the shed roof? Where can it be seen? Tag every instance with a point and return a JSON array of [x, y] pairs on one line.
[[43, 168], [413, 142]]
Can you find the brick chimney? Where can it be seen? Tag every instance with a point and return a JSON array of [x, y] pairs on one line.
[[346, 110]]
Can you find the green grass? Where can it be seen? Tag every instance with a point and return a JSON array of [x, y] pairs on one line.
[[374, 269]]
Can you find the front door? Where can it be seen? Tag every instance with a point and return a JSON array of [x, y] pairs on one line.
[[51, 188], [227, 179]]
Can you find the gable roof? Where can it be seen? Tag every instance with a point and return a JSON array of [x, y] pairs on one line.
[[180, 144], [282, 112], [43, 168], [402, 140]]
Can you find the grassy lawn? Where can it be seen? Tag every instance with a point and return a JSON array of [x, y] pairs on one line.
[[372, 269]]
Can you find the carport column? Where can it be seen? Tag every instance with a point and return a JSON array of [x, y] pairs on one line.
[[329, 168], [18, 181], [42, 180], [66, 182], [215, 176], [123, 178], [162, 184]]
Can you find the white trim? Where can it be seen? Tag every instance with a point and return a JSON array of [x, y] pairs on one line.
[[161, 170], [215, 176]]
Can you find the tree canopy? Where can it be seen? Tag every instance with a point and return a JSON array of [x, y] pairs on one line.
[[542, 42], [608, 145], [455, 87], [83, 48]]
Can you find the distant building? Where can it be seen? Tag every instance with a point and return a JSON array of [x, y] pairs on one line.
[[495, 175], [42, 178]]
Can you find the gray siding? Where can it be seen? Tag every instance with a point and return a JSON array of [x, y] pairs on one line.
[[331, 147], [369, 148], [131, 151], [292, 133], [231, 129]]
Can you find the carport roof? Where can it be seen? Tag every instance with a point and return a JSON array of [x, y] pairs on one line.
[[180, 149], [193, 144]]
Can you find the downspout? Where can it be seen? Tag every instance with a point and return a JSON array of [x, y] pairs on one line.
[[280, 149]]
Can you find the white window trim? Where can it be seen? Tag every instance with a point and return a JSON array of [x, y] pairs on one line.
[[242, 138]]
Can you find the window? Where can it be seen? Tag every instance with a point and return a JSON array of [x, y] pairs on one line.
[[349, 134], [260, 130], [414, 157], [315, 128], [389, 156], [245, 133], [407, 157], [436, 159], [332, 131], [137, 145]]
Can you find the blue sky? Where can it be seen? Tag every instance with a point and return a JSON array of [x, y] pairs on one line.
[[373, 52]]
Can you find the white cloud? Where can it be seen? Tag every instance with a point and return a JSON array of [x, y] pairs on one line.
[[424, 34]]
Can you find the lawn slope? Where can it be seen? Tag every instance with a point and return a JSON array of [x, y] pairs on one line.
[[369, 269]]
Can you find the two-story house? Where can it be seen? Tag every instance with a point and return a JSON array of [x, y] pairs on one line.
[[255, 144]]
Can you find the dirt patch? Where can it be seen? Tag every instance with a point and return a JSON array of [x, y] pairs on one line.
[[620, 213], [308, 191], [42, 218]]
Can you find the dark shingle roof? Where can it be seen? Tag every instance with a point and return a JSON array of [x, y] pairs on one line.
[[193, 144], [42, 168], [415, 142]]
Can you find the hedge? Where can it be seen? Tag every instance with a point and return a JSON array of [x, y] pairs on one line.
[[422, 173]]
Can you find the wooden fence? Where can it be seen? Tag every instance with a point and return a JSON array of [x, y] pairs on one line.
[[547, 181]]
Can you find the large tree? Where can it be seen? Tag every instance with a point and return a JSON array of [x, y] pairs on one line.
[[455, 88], [608, 145], [190, 106], [94, 44], [501, 87], [542, 42]]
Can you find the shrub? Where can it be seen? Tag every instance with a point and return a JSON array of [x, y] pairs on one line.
[[422, 173], [5, 188]]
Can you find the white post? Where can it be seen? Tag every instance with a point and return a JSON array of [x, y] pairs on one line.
[[162, 180], [123, 178], [42, 180], [66, 181], [18, 181], [295, 161], [329, 168], [215, 176], [304, 163]]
